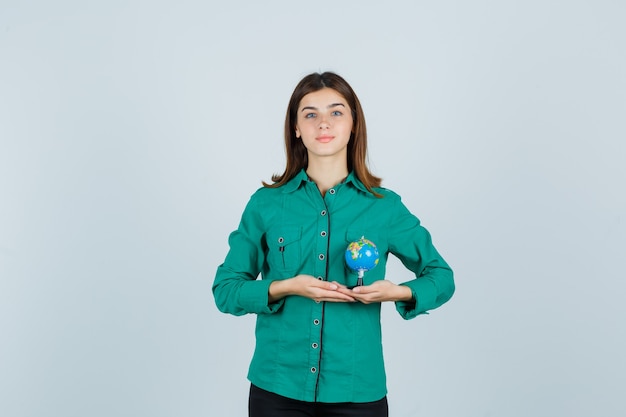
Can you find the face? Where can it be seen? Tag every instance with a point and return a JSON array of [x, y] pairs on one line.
[[324, 124]]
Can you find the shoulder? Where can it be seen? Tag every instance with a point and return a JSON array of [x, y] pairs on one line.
[[261, 206], [391, 202], [265, 196], [388, 195]]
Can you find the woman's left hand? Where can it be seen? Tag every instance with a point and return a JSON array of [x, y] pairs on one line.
[[379, 291]]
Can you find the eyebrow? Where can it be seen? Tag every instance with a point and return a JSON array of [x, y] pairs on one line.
[[330, 106]]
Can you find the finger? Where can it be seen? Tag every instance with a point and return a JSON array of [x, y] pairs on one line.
[[368, 297], [345, 291], [340, 300], [340, 296], [329, 286], [337, 296], [362, 289]]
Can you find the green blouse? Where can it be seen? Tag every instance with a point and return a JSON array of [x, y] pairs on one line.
[[323, 351]]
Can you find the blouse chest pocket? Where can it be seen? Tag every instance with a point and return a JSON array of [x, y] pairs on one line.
[[284, 249]]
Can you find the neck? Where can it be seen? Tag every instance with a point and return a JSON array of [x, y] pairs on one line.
[[327, 173]]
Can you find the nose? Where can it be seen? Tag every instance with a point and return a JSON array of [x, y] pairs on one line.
[[324, 124]]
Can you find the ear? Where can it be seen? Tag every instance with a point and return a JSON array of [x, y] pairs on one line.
[[298, 132]]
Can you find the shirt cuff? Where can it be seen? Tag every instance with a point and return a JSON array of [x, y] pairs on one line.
[[254, 296], [424, 295]]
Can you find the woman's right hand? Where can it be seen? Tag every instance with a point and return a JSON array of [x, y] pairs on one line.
[[308, 286]]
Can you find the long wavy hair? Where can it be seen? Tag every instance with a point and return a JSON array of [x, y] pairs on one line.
[[296, 152]]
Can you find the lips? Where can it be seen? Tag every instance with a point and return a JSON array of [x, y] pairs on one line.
[[324, 138]]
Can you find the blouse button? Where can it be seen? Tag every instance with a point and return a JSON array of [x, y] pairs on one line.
[[332, 191], [281, 240], [316, 322], [321, 257], [314, 345], [323, 234], [323, 213], [320, 278], [313, 370]]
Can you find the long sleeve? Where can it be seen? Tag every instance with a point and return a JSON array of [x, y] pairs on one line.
[[411, 243], [236, 288]]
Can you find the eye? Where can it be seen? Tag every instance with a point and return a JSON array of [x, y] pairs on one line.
[[309, 115], [336, 113]]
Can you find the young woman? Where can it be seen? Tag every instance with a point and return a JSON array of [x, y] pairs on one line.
[[318, 336]]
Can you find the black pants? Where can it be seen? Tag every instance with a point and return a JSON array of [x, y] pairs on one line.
[[267, 404]]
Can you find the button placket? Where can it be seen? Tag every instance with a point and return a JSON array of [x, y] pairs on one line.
[[321, 266], [322, 245]]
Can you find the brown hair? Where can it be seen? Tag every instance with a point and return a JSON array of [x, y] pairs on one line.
[[296, 153]]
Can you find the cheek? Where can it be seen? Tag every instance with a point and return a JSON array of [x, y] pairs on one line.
[[301, 126]]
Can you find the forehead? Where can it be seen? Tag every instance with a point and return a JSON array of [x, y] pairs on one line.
[[322, 99]]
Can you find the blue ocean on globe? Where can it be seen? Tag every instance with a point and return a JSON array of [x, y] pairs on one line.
[[362, 255]]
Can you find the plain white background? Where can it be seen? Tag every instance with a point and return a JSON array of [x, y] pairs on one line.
[[133, 132]]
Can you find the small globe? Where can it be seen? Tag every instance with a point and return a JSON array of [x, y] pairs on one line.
[[362, 255]]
